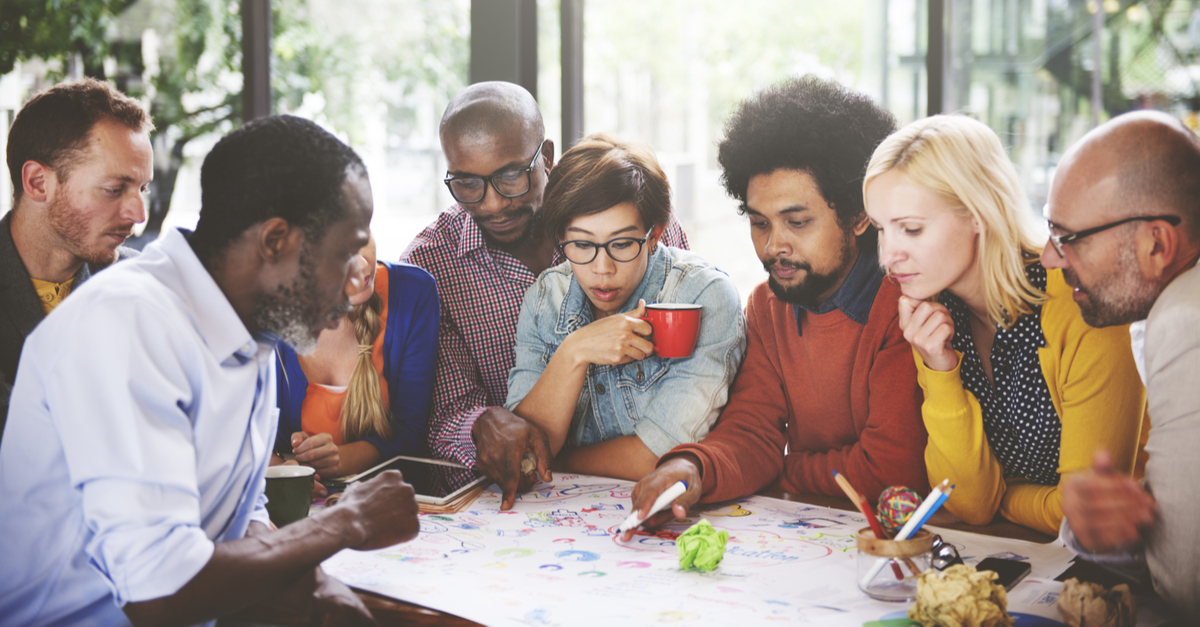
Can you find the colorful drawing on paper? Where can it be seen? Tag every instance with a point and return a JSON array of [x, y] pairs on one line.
[[555, 559]]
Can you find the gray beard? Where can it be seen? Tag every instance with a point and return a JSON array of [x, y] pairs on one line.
[[291, 313]]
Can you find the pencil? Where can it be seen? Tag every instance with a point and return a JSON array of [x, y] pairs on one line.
[[909, 527], [932, 510], [865, 507], [862, 505]]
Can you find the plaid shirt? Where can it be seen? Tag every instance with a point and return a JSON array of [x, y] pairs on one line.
[[481, 289]]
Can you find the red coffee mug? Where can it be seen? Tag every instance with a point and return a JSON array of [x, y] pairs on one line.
[[676, 326]]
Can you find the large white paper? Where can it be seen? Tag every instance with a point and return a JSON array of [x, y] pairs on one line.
[[554, 559]]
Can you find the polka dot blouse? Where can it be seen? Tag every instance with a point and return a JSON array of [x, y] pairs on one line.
[[1022, 427]]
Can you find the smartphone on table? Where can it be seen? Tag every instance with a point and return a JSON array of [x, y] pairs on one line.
[[1010, 572]]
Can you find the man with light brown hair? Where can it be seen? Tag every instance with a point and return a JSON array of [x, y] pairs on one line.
[[80, 162]]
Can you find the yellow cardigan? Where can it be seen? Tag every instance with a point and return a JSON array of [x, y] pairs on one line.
[[1098, 397]]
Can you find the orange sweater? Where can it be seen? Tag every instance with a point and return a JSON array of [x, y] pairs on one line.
[[842, 396]]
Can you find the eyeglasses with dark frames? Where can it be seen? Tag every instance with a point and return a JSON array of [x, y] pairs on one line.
[[944, 554], [622, 249], [1061, 240], [507, 183]]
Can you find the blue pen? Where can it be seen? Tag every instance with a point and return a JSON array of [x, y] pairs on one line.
[[929, 514]]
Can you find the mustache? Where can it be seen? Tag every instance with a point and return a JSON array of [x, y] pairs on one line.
[[1072, 279], [794, 265], [508, 215]]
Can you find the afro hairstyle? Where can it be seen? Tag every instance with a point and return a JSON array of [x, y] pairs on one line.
[[808, 124]]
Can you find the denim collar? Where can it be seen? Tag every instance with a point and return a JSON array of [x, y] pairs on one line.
[[576, 311], [857, 293]]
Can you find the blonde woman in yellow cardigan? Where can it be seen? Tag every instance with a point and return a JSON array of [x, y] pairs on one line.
[[1019, 390]]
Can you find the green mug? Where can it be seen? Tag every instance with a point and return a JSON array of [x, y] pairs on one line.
[[289, 493]]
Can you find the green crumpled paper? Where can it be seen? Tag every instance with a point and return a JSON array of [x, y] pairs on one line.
[[702, 546]]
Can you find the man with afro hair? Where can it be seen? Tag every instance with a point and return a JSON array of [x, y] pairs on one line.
[[828, 382]]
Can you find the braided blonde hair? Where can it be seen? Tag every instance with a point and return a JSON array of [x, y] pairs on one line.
[[363, 411]]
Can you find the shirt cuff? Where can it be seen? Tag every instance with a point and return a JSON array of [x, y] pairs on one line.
[[467, 452], [1067, 537], [945, 386], [183, 553], [260, 511]]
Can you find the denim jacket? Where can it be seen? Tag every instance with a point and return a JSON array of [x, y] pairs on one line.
[[666, 402]]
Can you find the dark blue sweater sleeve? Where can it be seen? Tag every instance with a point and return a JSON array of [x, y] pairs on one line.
[[292, 386], [410, 357]]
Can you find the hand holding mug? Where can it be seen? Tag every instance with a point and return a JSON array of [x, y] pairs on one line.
[[612, 341], [929, 328]]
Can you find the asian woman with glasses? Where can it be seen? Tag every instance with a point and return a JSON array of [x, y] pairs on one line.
[[586, 371], [1019, 390]]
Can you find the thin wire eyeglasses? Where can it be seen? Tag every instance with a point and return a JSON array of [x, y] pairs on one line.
[[508, 183], [622, 249], [1060, 240]]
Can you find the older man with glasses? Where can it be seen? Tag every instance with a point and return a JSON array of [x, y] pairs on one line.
[[485, 251], [1132, 188]]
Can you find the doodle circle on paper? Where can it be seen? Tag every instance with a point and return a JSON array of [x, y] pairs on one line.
[[514, 553], [592, 573], [733, 510], [428, 526], [634, 564], [551, 566], [578, 556]]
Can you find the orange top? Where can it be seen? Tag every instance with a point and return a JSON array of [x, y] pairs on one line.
[[321, 410]]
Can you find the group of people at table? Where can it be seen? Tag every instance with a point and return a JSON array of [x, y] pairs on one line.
[[914, 327]]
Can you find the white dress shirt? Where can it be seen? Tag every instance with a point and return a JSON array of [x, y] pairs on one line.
[[139, 434]]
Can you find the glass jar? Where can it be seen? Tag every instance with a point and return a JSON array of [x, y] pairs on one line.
[[888, 569]]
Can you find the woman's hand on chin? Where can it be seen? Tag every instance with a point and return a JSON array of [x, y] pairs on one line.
[[614, 340], [929, 328]]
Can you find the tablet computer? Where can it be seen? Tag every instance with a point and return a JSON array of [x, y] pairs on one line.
[[436, 481]]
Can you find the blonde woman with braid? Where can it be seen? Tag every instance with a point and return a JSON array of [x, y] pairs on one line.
[[364, 393], [1019, 390]]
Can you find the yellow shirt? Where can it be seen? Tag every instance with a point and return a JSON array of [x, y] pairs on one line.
[[1097, 394], [50, 293]]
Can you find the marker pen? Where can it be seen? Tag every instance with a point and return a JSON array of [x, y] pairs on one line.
[[664, 500]]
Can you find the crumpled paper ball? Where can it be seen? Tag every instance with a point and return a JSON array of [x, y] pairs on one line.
[[701, 546], [1096, 606], [960, 596]]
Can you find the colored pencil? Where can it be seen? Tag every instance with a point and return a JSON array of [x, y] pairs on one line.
[[865, 507], [934, 509], [909, 528], [862, 504]]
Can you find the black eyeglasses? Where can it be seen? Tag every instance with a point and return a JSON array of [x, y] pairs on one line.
[[621, 249], [509, 183], [944, 554], [1060, 240]]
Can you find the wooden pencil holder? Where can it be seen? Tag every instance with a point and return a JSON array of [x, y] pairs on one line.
[[880, 560]]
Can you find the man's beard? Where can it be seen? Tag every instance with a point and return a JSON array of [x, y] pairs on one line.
[[291, 312], [807, 292], [69, 226], [1120, 298]]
